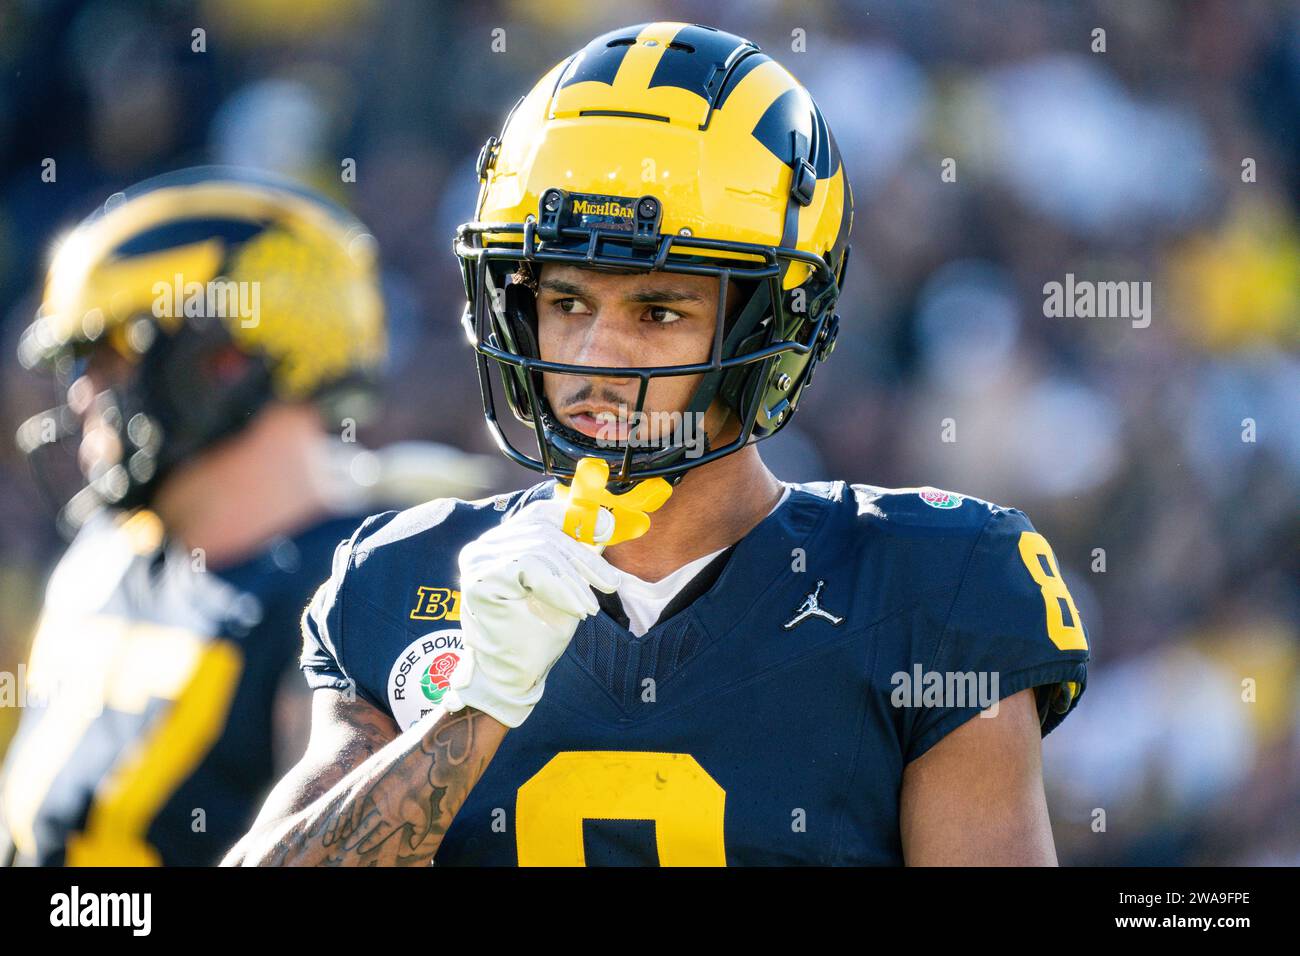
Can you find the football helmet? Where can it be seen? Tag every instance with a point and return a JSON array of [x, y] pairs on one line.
[[673, 147], [222, 289]]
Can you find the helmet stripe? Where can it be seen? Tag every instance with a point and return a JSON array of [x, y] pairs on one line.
[[599, 60], [696, 60], [642, 58], [742, 69]]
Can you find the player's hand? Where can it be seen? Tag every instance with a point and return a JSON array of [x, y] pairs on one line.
[[524, 587]]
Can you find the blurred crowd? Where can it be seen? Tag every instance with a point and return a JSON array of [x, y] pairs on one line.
[[1160, 461]]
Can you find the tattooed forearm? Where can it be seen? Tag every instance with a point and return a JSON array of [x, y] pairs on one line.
[[394, 808], [398, 817]]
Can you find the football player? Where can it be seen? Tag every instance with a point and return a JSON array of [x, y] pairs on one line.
[[216, 330], [773, 673]]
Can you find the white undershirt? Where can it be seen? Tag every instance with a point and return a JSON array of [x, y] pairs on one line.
[[644, 601]]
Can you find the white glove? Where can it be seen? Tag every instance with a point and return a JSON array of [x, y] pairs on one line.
[[524, 587]]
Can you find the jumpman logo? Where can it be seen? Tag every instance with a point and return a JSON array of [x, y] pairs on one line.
[[810, 608]]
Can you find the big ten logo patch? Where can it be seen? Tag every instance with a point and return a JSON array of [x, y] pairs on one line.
[[436, 604]]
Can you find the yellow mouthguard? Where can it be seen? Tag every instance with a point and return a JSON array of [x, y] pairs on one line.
[[587, 495]]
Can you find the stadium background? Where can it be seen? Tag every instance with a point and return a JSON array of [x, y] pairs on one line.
[[1116, 166]]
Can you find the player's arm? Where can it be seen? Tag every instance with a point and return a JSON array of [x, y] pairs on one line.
[[363, 794], [976, 797], [344, 733], [972, 789], [525, 585]]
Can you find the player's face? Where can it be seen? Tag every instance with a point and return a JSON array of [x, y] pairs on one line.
[[100, 448], [586, 317]]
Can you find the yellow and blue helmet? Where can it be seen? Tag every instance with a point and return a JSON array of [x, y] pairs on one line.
[[674, 147], [222, 289]]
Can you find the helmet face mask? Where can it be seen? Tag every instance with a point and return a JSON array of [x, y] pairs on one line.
[[764, 344], [556, 189], [187, 390]]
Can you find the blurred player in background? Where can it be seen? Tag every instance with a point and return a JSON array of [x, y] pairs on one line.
[[220, 333]]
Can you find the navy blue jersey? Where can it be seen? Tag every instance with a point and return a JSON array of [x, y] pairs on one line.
[[767, 720], [147, 735]]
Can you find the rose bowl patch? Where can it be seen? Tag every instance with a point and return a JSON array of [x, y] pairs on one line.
[[421, 676], [940, 499]]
